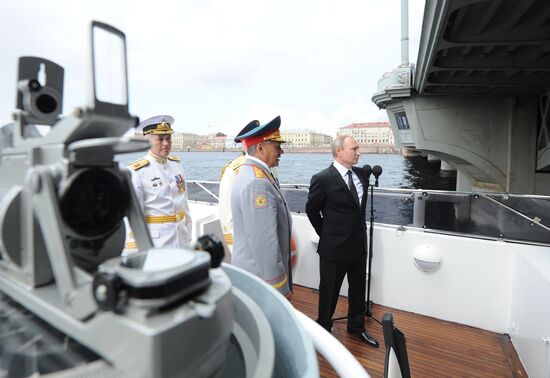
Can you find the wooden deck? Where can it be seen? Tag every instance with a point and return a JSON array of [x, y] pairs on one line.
[[436, 348]]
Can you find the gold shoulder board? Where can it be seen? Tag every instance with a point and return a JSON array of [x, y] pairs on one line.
[[258, 172], [173, 158], [236, 164], [139, 164], [223, 171]]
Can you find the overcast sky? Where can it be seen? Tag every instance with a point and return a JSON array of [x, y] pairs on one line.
[[216, 65]]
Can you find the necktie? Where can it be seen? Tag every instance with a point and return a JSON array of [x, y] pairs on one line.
[[352, 188], [275, 180]]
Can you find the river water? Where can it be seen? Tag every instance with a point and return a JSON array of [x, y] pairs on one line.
[[297, 168]]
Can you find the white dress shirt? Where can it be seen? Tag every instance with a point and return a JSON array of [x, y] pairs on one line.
[[344, 172]]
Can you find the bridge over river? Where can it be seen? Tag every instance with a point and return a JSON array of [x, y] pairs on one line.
[[479, 96]]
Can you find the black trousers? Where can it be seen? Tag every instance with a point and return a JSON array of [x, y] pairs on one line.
[[332, 275]]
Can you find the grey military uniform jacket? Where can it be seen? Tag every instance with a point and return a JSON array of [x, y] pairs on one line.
[[261, 226]]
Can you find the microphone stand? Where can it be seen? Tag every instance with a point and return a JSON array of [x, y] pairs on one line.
[[376, 171], [368, 304]]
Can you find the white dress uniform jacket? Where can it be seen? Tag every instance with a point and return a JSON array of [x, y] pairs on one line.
[[229, 174], [261, 226], [162, 194]]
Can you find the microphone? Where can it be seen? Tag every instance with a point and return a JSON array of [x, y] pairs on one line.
[[367, 169], [376, 171]]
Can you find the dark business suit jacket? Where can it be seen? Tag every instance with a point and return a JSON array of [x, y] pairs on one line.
[[337, 219]]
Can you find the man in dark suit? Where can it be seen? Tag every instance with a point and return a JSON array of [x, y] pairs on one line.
[[336, 209]]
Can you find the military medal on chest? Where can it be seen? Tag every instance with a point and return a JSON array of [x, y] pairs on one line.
[[180, 183]]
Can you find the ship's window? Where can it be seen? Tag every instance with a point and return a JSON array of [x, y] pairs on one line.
[[402, 121]]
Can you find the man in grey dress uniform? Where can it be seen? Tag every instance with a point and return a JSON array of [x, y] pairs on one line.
[[261, 219], [228, 177]]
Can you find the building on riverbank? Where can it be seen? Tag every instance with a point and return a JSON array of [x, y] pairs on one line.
[[184, 141], [369, 132], [305, 138], [373, 137]]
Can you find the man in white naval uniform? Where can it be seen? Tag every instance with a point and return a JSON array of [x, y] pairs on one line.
[[159, 183], [261, 219], [228, 176]]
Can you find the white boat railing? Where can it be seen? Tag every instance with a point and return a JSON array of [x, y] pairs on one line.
[[492, 216]]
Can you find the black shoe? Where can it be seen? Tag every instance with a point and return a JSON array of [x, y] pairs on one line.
[[325, 326], [366, 338]]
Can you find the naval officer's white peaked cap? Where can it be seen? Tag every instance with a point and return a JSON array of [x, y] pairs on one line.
[[161, 124]]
